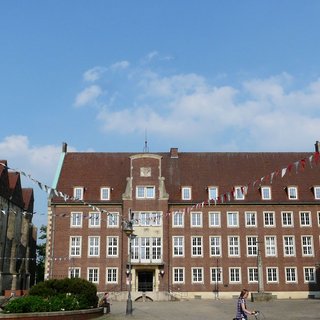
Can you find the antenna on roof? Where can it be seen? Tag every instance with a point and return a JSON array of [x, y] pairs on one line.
[[146, 148]]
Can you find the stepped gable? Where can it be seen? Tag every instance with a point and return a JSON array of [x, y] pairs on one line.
[[28, 199], [15, 189]]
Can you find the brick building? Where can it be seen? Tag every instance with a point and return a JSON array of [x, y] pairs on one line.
[[205, 224], [18, 235]]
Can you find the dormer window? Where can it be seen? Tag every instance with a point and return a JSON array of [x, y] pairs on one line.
[[238, 193], [212, 193], [186, 193], [266, 193], [105, 193], [316, 191], [78, 193], [292, 193]]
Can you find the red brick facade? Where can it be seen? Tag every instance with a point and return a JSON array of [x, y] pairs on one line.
[[266, 238]]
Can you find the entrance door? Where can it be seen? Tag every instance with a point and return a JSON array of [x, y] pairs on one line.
[[145, 281]]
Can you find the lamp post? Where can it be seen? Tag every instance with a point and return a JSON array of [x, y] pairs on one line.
[[128, 230]]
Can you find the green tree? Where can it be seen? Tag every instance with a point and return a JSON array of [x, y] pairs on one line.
[[41, 254]]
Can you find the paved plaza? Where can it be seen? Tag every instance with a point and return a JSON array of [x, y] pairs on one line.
[[200, 309]]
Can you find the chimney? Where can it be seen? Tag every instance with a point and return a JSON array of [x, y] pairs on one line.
[[174, 153], [317, 146], [64, 147]]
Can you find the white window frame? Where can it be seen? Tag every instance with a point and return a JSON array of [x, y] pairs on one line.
[[75, 246], [269, 219], [251, 219], [105, 193], [289, 246], [270, 244], [287, 219], [74, 272], [113, 219], [316, 190], [291, 274], [112, 250], [215, 246], [186, 193], [305, 218], [213, 193], [112, 275], [266, 193], [307, 247], [94, 220], [93, 274], [196, 246], [272, 274], [145, 192], [239, 193], [215, 275], [293, 193], [309, 274], [196, 219], [214, 219], [76, 219], [93, 246], [178, 274], [178, 246], [234, 275], [252, 246], [78, 193], [253, 276], [197, 275], [178, 219], [233, 246], [232, 219]]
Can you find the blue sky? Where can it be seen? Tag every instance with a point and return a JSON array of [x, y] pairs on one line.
[[200, 75]]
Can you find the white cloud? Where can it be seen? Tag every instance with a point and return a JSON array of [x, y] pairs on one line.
[[88, 95], [93, 74], [120, 65]]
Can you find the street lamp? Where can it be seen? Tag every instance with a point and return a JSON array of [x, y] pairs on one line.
[[128, 230]]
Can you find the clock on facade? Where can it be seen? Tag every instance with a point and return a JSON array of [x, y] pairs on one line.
[[145, 172]]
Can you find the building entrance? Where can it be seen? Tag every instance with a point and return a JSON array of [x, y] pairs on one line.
[[145, 281]]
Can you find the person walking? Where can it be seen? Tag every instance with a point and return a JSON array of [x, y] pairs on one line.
[[242, 311], [106, 302]]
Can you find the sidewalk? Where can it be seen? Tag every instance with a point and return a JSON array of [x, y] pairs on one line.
[[215, 309]]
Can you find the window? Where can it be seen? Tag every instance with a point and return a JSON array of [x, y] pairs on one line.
[[216, 275], [146, 249], [252, 246], [269, 220], [145, 192], [233, 220], [270, 246], [292, 193], [105, 193], [253, 275], [93, 246], [239, 193], [112, 246], [196, 219], [74, 272], [178, 275], [287, 219], [75, 246], [251, 218], [305, 219], [196, 246], [148, 218], [94, 220], [233, 246], [234, 275], [197, 275], [316, 191], [266, 193], [156, 249], [178, 219], [272, 274], [93, 275], [212, 193], [291, 275], [111, 275], [289, 246], [215, 246], [214, 219], [309, 274], [178, 246], [307, 245], [186, 193], [113, 220], [78, 193], [76, 219]]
